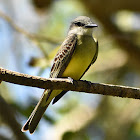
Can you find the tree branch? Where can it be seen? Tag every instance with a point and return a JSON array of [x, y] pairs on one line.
[[68, 84]]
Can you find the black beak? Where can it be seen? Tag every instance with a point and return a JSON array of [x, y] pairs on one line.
[[91, 25]]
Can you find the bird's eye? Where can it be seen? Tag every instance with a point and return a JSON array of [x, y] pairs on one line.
[[79, 24]]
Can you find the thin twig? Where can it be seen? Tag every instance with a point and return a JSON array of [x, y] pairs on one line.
[[67, 84], [31, 36]]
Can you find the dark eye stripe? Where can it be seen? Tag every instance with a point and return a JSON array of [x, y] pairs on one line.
[[79, 24]]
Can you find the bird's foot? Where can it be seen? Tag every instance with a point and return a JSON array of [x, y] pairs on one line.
[[71, 80]]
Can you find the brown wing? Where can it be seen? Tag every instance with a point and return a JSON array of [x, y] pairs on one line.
[[63, 56]]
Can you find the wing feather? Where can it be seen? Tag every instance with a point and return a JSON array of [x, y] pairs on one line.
[[63, 56]]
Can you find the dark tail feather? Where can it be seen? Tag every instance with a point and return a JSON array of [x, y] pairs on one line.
[[59, 96], [35, 116], [34, 119]]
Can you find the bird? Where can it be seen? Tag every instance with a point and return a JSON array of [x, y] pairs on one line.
[[76, 54]]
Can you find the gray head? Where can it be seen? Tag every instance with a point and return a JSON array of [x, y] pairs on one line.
[[82, 25]]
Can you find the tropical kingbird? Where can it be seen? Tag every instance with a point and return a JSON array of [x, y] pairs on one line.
[[76, 54]]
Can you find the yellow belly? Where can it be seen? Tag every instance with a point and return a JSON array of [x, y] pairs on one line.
[[81, 58]]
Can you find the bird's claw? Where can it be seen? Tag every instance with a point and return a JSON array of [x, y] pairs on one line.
[[71, 80]]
